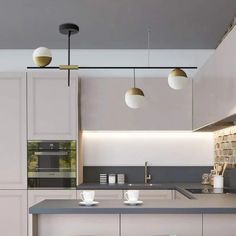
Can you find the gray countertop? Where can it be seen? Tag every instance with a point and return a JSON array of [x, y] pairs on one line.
[[199, 204]]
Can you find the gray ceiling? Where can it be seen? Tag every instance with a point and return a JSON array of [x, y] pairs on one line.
[[115, 24]]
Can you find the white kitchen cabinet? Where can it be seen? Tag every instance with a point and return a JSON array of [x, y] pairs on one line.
[[214, 85], [162, 224], [36, 196], [79, 225], [103, 105], [13, 212], [52, 106], [105, 194], [219, 224], [13, 144]]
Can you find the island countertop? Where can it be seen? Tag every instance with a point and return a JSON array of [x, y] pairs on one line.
[[202, 204]]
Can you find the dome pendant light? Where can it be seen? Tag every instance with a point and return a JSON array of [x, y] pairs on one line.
[[134, 97], [178, 79]]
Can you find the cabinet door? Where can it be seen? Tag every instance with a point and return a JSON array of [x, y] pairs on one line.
[[52, 106], [105, 194], [165, 109], [79, 225], [13, 212], [219, 224], [161, 225], [214, 85], [36, 196], [155, 194], [13, 157]]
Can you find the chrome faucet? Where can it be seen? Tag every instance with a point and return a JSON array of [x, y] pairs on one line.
[[146, 175]]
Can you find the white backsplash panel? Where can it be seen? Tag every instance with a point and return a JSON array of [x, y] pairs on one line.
[[122, 148]]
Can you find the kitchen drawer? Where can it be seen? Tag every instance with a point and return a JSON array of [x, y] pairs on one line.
[[105, 194], [161, 225]]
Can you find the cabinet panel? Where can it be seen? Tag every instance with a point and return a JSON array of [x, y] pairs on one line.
[[36, 196], [214, 85], [163, 224], [105, 194], [79, 225], [13, 213], [52, 106], [165, 109], [13, 172], [219, 224]]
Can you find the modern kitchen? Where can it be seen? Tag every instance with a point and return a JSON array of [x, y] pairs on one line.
[[118, 118]]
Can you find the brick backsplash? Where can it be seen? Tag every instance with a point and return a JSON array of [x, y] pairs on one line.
[[225, 146]]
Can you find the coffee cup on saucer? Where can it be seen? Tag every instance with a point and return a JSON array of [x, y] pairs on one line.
[[87, 196], [132, 196]]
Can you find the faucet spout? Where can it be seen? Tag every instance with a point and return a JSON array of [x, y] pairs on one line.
[[146, 175]]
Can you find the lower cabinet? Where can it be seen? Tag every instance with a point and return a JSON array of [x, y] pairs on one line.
[[105, 194], [79, 225], [219, 225], [13, 212], [162, 225], [36, 196]]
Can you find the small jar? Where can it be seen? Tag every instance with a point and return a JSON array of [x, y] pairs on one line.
[[112, 179]]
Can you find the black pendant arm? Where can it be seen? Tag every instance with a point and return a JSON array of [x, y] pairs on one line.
[[69, 34]]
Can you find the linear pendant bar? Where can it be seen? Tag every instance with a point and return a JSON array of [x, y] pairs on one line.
[[113, 67]]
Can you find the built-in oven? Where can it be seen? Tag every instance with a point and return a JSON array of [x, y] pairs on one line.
[[51, 164]]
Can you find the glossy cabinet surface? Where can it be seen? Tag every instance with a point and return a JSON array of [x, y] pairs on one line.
[[163, 224], [13, 154], [52, 106], [103, 105], [13, 212], [214, 85]]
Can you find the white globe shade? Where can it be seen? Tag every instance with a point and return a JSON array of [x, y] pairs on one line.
[[178, 79], [42, 56], [134, 98]]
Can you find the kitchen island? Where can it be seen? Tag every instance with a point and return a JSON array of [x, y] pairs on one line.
[[206, 215]]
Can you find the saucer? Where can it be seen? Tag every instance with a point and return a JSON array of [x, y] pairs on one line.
[[133, 203], [88, 203]]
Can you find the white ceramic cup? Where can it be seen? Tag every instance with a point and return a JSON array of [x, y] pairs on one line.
[[87, 196], [218, 181], [132, 195]]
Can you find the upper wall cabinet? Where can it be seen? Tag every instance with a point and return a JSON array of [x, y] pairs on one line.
[[103, 105], [52, 106], [13, 155], [214, 86]]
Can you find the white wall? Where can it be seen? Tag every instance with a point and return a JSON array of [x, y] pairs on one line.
[[158, 148]]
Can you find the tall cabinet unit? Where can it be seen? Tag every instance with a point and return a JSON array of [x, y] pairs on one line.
[[52, 106], [13, 157]]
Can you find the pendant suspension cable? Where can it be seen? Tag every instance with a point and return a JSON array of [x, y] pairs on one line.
[[148, 45], [69, 34]]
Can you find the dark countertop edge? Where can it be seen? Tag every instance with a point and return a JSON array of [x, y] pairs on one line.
[[137, 211]]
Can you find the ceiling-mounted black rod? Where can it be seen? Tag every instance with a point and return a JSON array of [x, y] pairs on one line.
[[119, 67], [69, 34]]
